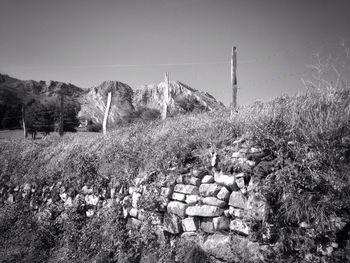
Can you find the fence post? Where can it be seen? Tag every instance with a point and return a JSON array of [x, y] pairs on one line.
[[234, 79], [166, 96], [105, 119]]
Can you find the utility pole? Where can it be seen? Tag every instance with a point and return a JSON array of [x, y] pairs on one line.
[[234, 79], [166, 95], [108, 107], [25, 132], [60, 128]]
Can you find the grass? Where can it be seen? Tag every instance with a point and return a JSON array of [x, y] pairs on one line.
[[311, 130]]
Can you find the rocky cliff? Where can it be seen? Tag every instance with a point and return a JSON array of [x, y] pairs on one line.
[[182, 98], [93, 102]]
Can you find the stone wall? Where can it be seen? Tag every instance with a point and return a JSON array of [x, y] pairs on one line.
[[209, 205]]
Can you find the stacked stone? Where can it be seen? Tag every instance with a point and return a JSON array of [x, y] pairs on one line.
[[212, 201]]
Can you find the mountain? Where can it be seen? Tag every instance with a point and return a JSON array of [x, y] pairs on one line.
[[145, 102], [93, 102], [182, 98]]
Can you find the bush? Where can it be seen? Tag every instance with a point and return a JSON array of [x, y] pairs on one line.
[[94, 127]]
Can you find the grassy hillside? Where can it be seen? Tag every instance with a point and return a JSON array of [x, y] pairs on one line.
[[310, 134]]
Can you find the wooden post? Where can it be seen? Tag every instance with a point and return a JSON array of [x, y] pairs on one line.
[[108, 107], [60, 128], [25, 132], [166, 96], [234, 78]]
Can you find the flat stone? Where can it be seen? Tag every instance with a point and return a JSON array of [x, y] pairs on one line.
[[204, 211], [227, 180], [208, 179], [179, 197], [214, 201], [186, 189], [177, 208], [221, 223], [172, 223], [190, 224], [240, 226], [192, 199], [209, 189], [207, 225], [237, 212], [257, 207], [238, 200], [224, 194]]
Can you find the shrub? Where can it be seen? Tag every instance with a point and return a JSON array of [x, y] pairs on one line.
[[94, 127]]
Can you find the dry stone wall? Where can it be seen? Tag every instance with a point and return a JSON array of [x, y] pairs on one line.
[[209, 205]]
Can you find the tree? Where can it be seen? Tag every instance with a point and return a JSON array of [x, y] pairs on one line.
[[330, 68]]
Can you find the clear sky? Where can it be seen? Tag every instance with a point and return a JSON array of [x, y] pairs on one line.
[[87, 41]]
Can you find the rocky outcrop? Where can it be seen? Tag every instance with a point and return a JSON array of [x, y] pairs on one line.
[[93, 103], [182, 98]]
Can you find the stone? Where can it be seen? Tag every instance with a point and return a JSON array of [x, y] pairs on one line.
[[180, 179], [90, 212], [224, 194], [240, 226], [192, 199], [214, 202], [194, 181], [199, 173], [227, 213], [177, 208], [204, 211], [250, 163], [208, 179], [190, 224], [172, 223], [219, 245], [240, 182], [207, 225], [178, 197], [209, 189], [186, 189], [238, 200], [133, 223], [10, 199], [227, 180], [221, 223], [86, 190], [133, 212], [68, 202], [257, 207], [135, 199], [63, 196], [237, 212], [91, 199]]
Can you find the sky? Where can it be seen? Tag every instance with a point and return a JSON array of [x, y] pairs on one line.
[[85, 42]]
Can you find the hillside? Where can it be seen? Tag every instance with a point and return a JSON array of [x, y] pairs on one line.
[[98, 199]]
